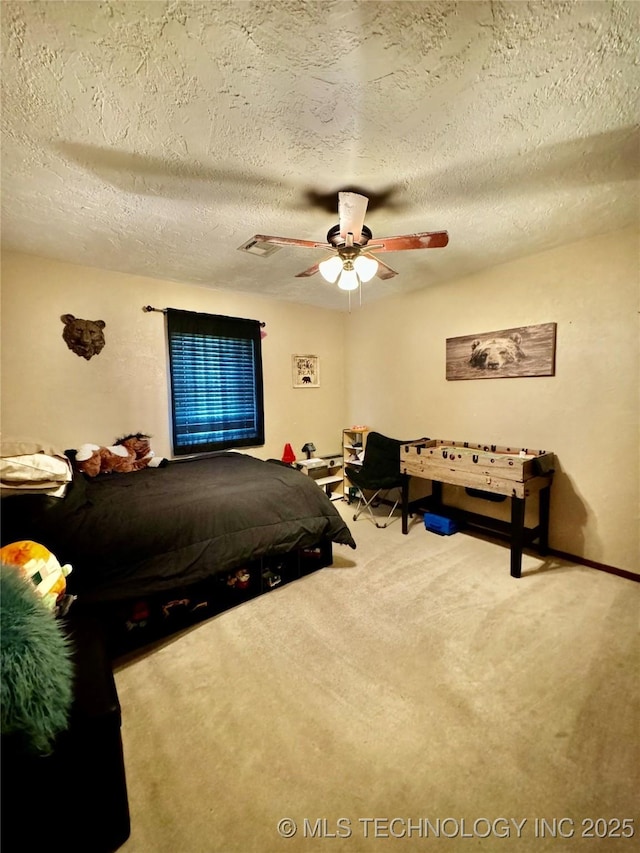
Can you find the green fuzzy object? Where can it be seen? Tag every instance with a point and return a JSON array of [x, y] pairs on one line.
[[36, 670]]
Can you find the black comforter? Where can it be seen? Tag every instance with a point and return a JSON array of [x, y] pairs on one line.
[[126, 535]]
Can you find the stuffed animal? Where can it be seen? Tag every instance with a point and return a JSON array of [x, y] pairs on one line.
[[43, 569], [129, 453], [239, 579]]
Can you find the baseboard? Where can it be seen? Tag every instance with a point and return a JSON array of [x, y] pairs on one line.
[[592, 564], [416, 507]]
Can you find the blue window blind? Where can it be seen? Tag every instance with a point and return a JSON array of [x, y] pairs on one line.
[[216, 382]]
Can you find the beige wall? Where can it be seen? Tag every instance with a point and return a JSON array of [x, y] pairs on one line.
[[587, 414], [49, 392]]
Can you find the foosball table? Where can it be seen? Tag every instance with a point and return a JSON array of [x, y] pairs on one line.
[[486, 471]]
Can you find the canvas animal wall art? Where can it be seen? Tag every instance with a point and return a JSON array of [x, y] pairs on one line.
[[494, 353], [522, 351]]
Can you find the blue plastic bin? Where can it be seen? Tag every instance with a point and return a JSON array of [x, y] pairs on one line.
[[440, 524]]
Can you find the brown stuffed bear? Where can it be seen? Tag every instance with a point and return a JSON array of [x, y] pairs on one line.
[[129, 453]]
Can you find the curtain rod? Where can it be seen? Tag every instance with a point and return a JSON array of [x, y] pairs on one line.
[[147, 308]]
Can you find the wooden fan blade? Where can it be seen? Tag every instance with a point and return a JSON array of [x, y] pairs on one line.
[[352, 208], [383, 271], [311, 271], [422, 240], [290, 241]]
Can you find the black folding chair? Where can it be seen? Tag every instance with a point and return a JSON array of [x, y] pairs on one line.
[[379, 473]]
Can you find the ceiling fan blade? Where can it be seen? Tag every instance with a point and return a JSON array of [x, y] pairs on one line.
[[310, 271], [351, 212], [384, 272], [422, 240], [290, 241]]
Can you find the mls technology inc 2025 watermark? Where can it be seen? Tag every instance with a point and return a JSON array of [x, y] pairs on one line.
[[451, 827]]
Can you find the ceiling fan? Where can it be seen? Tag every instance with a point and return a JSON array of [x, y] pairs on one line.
[[353, 256]]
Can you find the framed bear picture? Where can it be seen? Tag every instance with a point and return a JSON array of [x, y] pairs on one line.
[[306, 371], [522, 351]]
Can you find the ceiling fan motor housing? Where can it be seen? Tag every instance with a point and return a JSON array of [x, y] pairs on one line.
[[334, 237]]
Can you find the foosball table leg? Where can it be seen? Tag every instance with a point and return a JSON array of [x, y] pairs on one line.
[[517, 535], [543, 538], [405, 503]]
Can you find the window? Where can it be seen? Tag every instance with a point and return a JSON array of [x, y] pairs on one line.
[[216, 382]]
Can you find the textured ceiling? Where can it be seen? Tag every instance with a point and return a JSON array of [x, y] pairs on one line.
[[157, 137]]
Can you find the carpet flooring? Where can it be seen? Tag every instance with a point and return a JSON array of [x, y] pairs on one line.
[[413, 696]]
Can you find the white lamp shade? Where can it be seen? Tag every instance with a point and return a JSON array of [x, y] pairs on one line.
[[348, 280], [365, 267], [331, 268]]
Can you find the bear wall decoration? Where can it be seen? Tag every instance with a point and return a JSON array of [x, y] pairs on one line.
[[521, 351], [84, 337]]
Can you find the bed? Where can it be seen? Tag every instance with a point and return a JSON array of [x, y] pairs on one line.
[[160, 529]]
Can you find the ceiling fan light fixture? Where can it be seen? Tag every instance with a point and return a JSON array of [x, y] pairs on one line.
[[348, 279], [365, 267], [331, 268]]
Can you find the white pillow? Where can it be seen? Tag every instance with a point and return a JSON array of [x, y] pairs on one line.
[[35, 471]]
